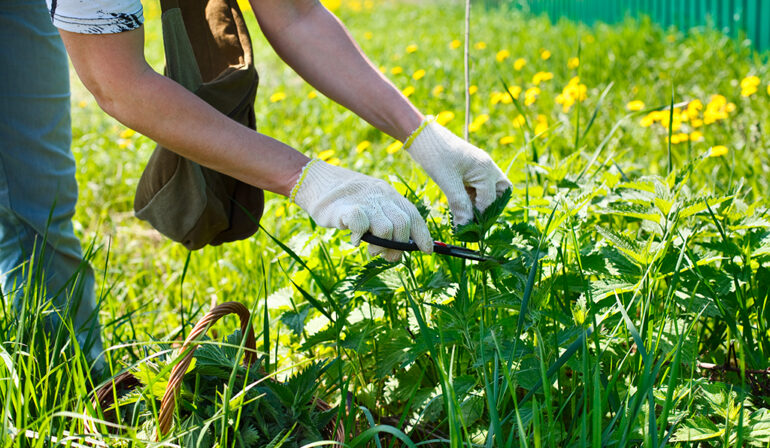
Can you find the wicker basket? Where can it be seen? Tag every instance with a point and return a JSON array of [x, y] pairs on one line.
[[125, 382]]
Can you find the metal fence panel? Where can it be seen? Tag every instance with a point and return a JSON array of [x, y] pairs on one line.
[[733, 17]]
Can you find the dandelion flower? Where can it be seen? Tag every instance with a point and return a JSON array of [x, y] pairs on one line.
[[768, 89], [515, 91], [84, 103], [334, 161], [545, 55], [696, 136], [507, 140], [438, 90], [326, 155], [519, 121], [542, 124], [445, 117], [518, 64], [411, 48], [635, 105], [473, 89], [419, 74], [647, 121], [368, 35], [496, 97], [573, 63], [478, 122], [277, 96], [718, 151], [502, 55], [363, 146], [750, 81], [541, 76], [455, 44], [383, 69], [393, 147], [530, 96], [408, 91], [312, 94], [397, 70], [127, 133], [679, 138], [280, 211], [481, 45]]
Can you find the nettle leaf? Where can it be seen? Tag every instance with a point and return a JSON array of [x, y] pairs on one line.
[[295, 320], [638, 211], [475, 230], [624, 243], [696, 429], [694, 206]]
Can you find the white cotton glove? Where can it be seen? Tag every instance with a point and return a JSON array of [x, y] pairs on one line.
[[466, 174], [344, 199]]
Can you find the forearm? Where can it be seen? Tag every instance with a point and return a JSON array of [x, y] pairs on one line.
[[317, 46], [129, 90]]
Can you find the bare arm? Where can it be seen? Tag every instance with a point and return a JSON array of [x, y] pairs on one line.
[[318, 47], [113, 68]]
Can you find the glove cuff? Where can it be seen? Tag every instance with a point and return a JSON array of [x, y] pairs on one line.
[[301, 180], [428, 120]]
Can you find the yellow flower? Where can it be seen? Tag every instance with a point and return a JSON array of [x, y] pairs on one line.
[[127, 133], [515, 91], [368, 4], [502, 55], [333, 161], [648, 120], [455, 44], [635, 105], [383, 69], [696, 123], [730, 108], [693, 109], [519, 121], [518, 64], [696, 136], [123, 143], [718, 151], [750, 81], [280, 211], [478, 122], [312, 94], [408, 91], [393, 147], [438, 90], [277, 96], [419, 74], [368, 35], [496, 97], [768, 89], [541, 76], [530, 96], [363, 146], [332, 5], [679, 138], [573, 63], [545, 55], [445, 117], [397, 70], [481, 45], [411, 48], [542, 124], [355, 5], [507, 140], [473, 89], [83, 103], [326, 155], [748, 91]]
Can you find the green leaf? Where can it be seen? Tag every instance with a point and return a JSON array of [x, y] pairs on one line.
[[696, 429], [295, 320]]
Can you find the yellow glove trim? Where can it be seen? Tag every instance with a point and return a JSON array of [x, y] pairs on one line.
[[417, 131], [302, 176]]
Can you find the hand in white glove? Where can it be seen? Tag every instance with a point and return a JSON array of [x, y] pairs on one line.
[[344, 199], [465, 173]]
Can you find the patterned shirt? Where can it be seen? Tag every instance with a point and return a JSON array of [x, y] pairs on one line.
[[96, 16]]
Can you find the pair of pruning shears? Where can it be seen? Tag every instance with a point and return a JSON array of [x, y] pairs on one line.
[[438, 247]]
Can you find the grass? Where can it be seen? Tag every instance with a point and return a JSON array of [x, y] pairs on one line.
[[632, 306]]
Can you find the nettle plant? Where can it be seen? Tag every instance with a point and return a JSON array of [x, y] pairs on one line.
[[582, 329]]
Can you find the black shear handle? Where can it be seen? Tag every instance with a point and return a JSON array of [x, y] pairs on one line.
[[411, 246]]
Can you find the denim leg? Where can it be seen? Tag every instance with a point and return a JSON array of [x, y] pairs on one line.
[[38, 191]]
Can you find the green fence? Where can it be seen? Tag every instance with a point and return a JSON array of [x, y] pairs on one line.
[[732, 17]]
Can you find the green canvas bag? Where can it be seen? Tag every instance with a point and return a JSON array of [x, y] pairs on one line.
[[208, 51]]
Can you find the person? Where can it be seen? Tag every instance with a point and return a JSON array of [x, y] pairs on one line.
[[38, 191], [105, 42]]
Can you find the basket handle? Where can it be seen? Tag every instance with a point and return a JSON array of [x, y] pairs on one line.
[[166, 417]]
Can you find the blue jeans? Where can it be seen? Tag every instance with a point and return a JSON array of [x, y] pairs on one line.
[[38, 191]]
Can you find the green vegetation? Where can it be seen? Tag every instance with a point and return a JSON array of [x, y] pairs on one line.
[[629, 307]]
